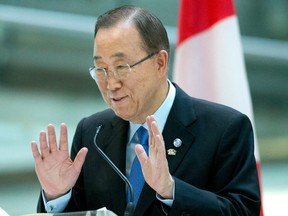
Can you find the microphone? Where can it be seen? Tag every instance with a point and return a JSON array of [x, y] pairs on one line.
[[130, 205]]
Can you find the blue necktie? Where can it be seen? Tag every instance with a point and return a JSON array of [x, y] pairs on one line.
[[136, 176]]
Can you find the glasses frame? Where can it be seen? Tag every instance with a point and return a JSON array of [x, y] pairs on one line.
[[92, 69]]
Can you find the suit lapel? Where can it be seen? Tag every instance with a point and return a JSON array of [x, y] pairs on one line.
[[176, 154], [181, 118]]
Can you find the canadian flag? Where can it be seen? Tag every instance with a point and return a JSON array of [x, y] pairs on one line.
[[209, 60]]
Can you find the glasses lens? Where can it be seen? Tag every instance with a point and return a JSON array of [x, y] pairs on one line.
[[100, 74], [122, 71]]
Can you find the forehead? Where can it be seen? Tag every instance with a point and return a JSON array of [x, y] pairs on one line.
[[120, 40]]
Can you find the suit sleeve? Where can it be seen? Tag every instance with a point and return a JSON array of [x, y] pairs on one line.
[[233, 187]]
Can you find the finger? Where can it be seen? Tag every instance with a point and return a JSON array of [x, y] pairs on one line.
[[160, 146], [154, 131], [154, 128], [141, 154], [149, 120], [63, 144], [79, 159], [52, 138], [35, 152], [43, 144]]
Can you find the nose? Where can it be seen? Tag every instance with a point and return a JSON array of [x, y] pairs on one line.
[[113, 83]]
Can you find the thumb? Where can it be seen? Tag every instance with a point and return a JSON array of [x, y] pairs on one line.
[[79, 159]]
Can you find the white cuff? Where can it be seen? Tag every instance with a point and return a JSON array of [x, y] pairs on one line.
[[57, 205], [167, 202]]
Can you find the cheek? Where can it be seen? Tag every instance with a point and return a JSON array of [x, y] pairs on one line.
[[137, 87], [103, 92], [141, 92]]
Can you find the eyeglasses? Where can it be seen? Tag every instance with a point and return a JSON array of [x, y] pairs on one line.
[[120, 71]]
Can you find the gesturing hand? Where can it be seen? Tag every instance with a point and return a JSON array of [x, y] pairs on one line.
[[56, 172], [155, 167]]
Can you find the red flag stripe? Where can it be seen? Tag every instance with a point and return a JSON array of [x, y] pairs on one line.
[[194, 19]]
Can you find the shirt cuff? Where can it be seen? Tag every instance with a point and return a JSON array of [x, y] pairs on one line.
[[167, 202], [57, 205]]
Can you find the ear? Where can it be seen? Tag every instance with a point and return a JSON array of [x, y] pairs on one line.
[[162, 63]]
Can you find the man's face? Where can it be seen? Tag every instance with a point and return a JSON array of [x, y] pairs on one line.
[[139, 94]]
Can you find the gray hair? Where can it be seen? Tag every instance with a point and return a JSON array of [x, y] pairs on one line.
[[150, 28]]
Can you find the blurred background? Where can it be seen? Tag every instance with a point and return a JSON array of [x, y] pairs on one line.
[[45, 52]]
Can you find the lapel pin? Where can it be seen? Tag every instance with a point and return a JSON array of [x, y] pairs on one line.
[[177, 142], [171, 152]]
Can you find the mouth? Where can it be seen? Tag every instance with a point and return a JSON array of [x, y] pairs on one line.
[[118, 99]]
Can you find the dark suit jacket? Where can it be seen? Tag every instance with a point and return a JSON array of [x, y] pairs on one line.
[[214, 168]]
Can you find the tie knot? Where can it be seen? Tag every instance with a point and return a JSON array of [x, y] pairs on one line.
[[142, 135]]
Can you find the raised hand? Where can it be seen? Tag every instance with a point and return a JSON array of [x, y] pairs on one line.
[[56, 172], [155, 167]]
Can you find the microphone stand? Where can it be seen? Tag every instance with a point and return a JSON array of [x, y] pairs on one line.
[[130, 205]]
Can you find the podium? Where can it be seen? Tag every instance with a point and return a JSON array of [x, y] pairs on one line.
[[99, 212]]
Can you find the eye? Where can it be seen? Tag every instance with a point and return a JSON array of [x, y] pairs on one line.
[[100, 73], [100, 70], [122, 70]]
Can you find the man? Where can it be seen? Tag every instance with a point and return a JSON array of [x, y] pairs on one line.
[[200, 159]]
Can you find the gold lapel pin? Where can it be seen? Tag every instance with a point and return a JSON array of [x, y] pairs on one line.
[[171, 152]]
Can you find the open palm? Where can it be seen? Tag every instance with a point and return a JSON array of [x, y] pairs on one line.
[[155, 166], [56, 172]]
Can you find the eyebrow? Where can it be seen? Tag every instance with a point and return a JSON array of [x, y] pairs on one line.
[[116, 55]]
